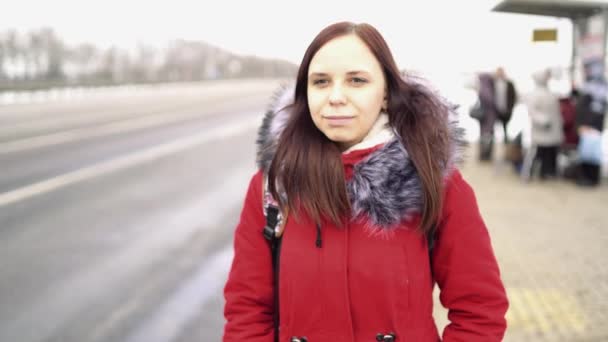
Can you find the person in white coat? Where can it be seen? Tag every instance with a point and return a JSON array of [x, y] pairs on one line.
[[546, 128]]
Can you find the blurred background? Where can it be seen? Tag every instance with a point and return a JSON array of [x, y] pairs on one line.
[[127, 140]]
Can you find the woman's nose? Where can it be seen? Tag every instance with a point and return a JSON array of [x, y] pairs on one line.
[[337, 96]]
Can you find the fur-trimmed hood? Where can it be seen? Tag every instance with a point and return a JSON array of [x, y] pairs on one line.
[[385, 187]]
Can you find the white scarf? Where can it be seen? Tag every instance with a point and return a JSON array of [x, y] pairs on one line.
[[380, 133]]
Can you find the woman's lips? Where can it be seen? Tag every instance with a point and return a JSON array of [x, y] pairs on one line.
[[338, 120]]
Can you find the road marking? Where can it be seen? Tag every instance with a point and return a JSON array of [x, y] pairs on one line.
[[100, 331], [127, 161], [166, 232], [121, 126], [184, 305]]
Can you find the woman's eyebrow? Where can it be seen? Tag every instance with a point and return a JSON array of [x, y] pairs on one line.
[[350, 73], [355, 72]]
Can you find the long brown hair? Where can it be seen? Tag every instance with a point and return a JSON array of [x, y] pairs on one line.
[[307, 166]]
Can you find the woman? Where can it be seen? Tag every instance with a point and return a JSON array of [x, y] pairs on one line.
[[546, 128], [362, 160]]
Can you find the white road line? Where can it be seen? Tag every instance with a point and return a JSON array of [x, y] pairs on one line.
[[97, 131], [184, 305], [166, 231], [126, 161], [81, 133], [104, 113]]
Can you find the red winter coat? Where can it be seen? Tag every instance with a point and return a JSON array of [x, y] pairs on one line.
[[372, 276]]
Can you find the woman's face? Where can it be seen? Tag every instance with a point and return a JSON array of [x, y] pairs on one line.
[[346, 90]]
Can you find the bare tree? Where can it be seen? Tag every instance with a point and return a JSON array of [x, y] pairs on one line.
[[40, 58], [56, 54]]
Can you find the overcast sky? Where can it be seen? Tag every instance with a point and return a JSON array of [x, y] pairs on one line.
[[422, 34]]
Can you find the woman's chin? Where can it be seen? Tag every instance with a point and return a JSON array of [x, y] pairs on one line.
[[343, 142]]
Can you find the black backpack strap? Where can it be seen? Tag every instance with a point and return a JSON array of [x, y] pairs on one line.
[[273, 223], [431, 237]]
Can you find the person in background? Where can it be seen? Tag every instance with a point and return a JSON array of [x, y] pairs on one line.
[[487, 98], [589, 124], [568, 110], [505, 97], [496, 98], [546, 128]]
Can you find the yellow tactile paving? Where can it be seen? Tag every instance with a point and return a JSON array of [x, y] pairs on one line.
[[545, 311]]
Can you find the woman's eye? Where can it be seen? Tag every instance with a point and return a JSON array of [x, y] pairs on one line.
[[359, 80], [319, 82]]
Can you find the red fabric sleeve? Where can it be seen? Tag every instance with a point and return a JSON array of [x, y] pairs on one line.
[[249, 290], [466, 270]]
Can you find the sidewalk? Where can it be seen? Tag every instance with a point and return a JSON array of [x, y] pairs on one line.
[[550, 240]]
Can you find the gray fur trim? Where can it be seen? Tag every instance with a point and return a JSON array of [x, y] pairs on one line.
[[385, 188], [273, 124]]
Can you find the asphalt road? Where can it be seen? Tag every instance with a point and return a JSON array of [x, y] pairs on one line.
[[117, 211]]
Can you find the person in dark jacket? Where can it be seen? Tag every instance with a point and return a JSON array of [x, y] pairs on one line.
[[504, 100], [496, 97], [362, 161]]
